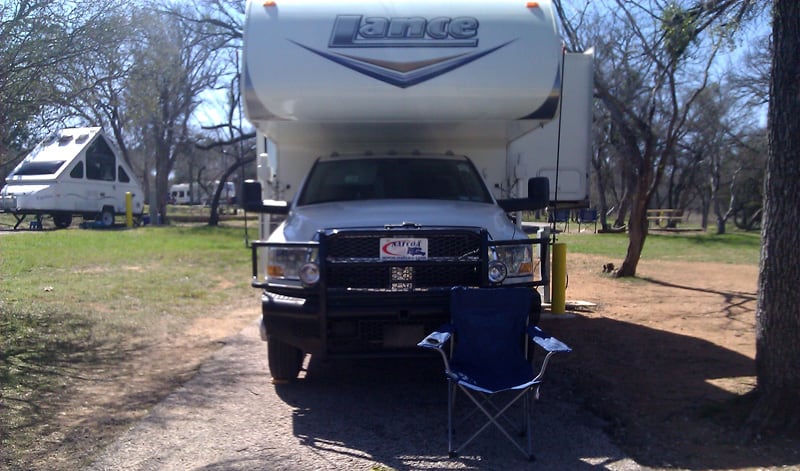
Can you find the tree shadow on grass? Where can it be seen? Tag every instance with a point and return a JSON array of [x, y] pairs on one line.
[[45, 357]]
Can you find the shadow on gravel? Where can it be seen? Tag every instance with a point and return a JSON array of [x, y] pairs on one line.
[[394, 413]]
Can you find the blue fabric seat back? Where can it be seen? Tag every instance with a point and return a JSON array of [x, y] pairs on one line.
[[490, 329]]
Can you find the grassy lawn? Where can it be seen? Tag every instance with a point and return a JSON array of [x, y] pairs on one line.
[[70, 299], [734, 247]]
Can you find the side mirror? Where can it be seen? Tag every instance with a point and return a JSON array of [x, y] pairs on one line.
[[253, 203], [538, 197], [539, 192]]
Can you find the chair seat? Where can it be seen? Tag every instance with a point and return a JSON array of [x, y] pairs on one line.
[[500, 377]]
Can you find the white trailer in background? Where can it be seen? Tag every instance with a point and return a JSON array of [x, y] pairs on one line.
[[75, 171], [399, 140]]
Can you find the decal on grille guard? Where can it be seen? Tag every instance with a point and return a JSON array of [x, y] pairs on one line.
[[403, 249]]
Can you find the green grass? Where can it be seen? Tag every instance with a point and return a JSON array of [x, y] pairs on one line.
[[734, 247], [71, 301], [70, 298]]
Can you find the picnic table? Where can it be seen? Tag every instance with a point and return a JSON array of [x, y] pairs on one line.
[[664, 217]]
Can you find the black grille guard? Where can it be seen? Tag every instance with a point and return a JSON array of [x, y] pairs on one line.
[[350, 261]]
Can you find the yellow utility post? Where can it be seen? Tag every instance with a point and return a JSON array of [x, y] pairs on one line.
[[559, 278], [129, 210]]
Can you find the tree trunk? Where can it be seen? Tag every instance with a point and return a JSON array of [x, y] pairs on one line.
[[778, 307], [637, 231], [602, 203], [213, 217]]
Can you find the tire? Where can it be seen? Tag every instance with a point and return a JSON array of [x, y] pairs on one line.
[[107, 216], [62, 221], [285, 360]]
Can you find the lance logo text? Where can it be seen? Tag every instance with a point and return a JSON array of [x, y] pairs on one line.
[[355, 31]]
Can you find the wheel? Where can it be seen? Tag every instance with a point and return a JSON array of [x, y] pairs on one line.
[[284, 360], [107, 216], [62, 221]]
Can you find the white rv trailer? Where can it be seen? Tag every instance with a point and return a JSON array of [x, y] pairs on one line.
[[75, 171], [184, 193], [399, 139]]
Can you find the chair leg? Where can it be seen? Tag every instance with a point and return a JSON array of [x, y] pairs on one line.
[[493, 419], [528, 410], [451, 397]]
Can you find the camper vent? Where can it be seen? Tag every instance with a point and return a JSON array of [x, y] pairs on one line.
[[64, 140], [81, 139]]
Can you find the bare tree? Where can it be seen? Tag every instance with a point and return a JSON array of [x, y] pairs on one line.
[[167, 78], [231, 136], [777, 314], [660, 42], [99, 82]]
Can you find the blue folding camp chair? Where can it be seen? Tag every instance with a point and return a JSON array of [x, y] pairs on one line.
[[485, 353]]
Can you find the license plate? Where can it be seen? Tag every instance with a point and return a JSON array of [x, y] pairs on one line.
[[403, 248]]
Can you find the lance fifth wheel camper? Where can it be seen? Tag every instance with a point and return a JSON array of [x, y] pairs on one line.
[[73, 172], [398, 142]]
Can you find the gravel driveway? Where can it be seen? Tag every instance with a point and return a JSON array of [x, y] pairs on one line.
[[358, 415]]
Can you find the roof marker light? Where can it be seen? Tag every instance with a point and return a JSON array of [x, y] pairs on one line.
[[270, 4], [529, 4]]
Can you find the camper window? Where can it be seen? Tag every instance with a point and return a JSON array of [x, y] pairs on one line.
[[100, 162], [123, 177], [77, 172], [39, 168]]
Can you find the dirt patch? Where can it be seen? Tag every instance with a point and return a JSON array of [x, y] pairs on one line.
[[105, 401], [667, 360]]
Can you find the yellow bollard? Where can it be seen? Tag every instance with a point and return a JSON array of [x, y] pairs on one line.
[[559, 278], [129, 210]]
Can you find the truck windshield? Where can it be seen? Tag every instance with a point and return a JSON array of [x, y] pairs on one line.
[[393, 178]]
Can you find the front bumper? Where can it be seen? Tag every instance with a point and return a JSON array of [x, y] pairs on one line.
[[371, 307]]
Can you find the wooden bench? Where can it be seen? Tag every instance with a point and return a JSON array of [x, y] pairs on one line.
[[665, 217]]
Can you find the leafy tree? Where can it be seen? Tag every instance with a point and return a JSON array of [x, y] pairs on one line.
[[39, 40]]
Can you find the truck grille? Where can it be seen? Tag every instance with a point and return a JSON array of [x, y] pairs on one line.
[[353, 263], [367, 245]]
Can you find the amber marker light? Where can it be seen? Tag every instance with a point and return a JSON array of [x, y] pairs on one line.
[[270, 4], [532, 4]]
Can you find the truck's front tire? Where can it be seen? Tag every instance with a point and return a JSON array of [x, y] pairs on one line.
[[284, 360]]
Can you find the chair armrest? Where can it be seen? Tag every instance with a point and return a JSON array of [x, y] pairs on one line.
[[437, 338], [547, 341], [550, 344]]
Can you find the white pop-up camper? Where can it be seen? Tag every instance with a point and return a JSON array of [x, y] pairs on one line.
[[400, 140], [73, 172]]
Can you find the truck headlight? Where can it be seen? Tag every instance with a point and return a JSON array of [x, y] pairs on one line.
[[293, 264], [497, 271], [309, 274], [516, 262]]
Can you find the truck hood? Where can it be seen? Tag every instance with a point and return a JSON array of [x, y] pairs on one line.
[[303, 222]]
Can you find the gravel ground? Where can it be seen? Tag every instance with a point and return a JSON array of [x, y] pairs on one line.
[[357, 415]]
